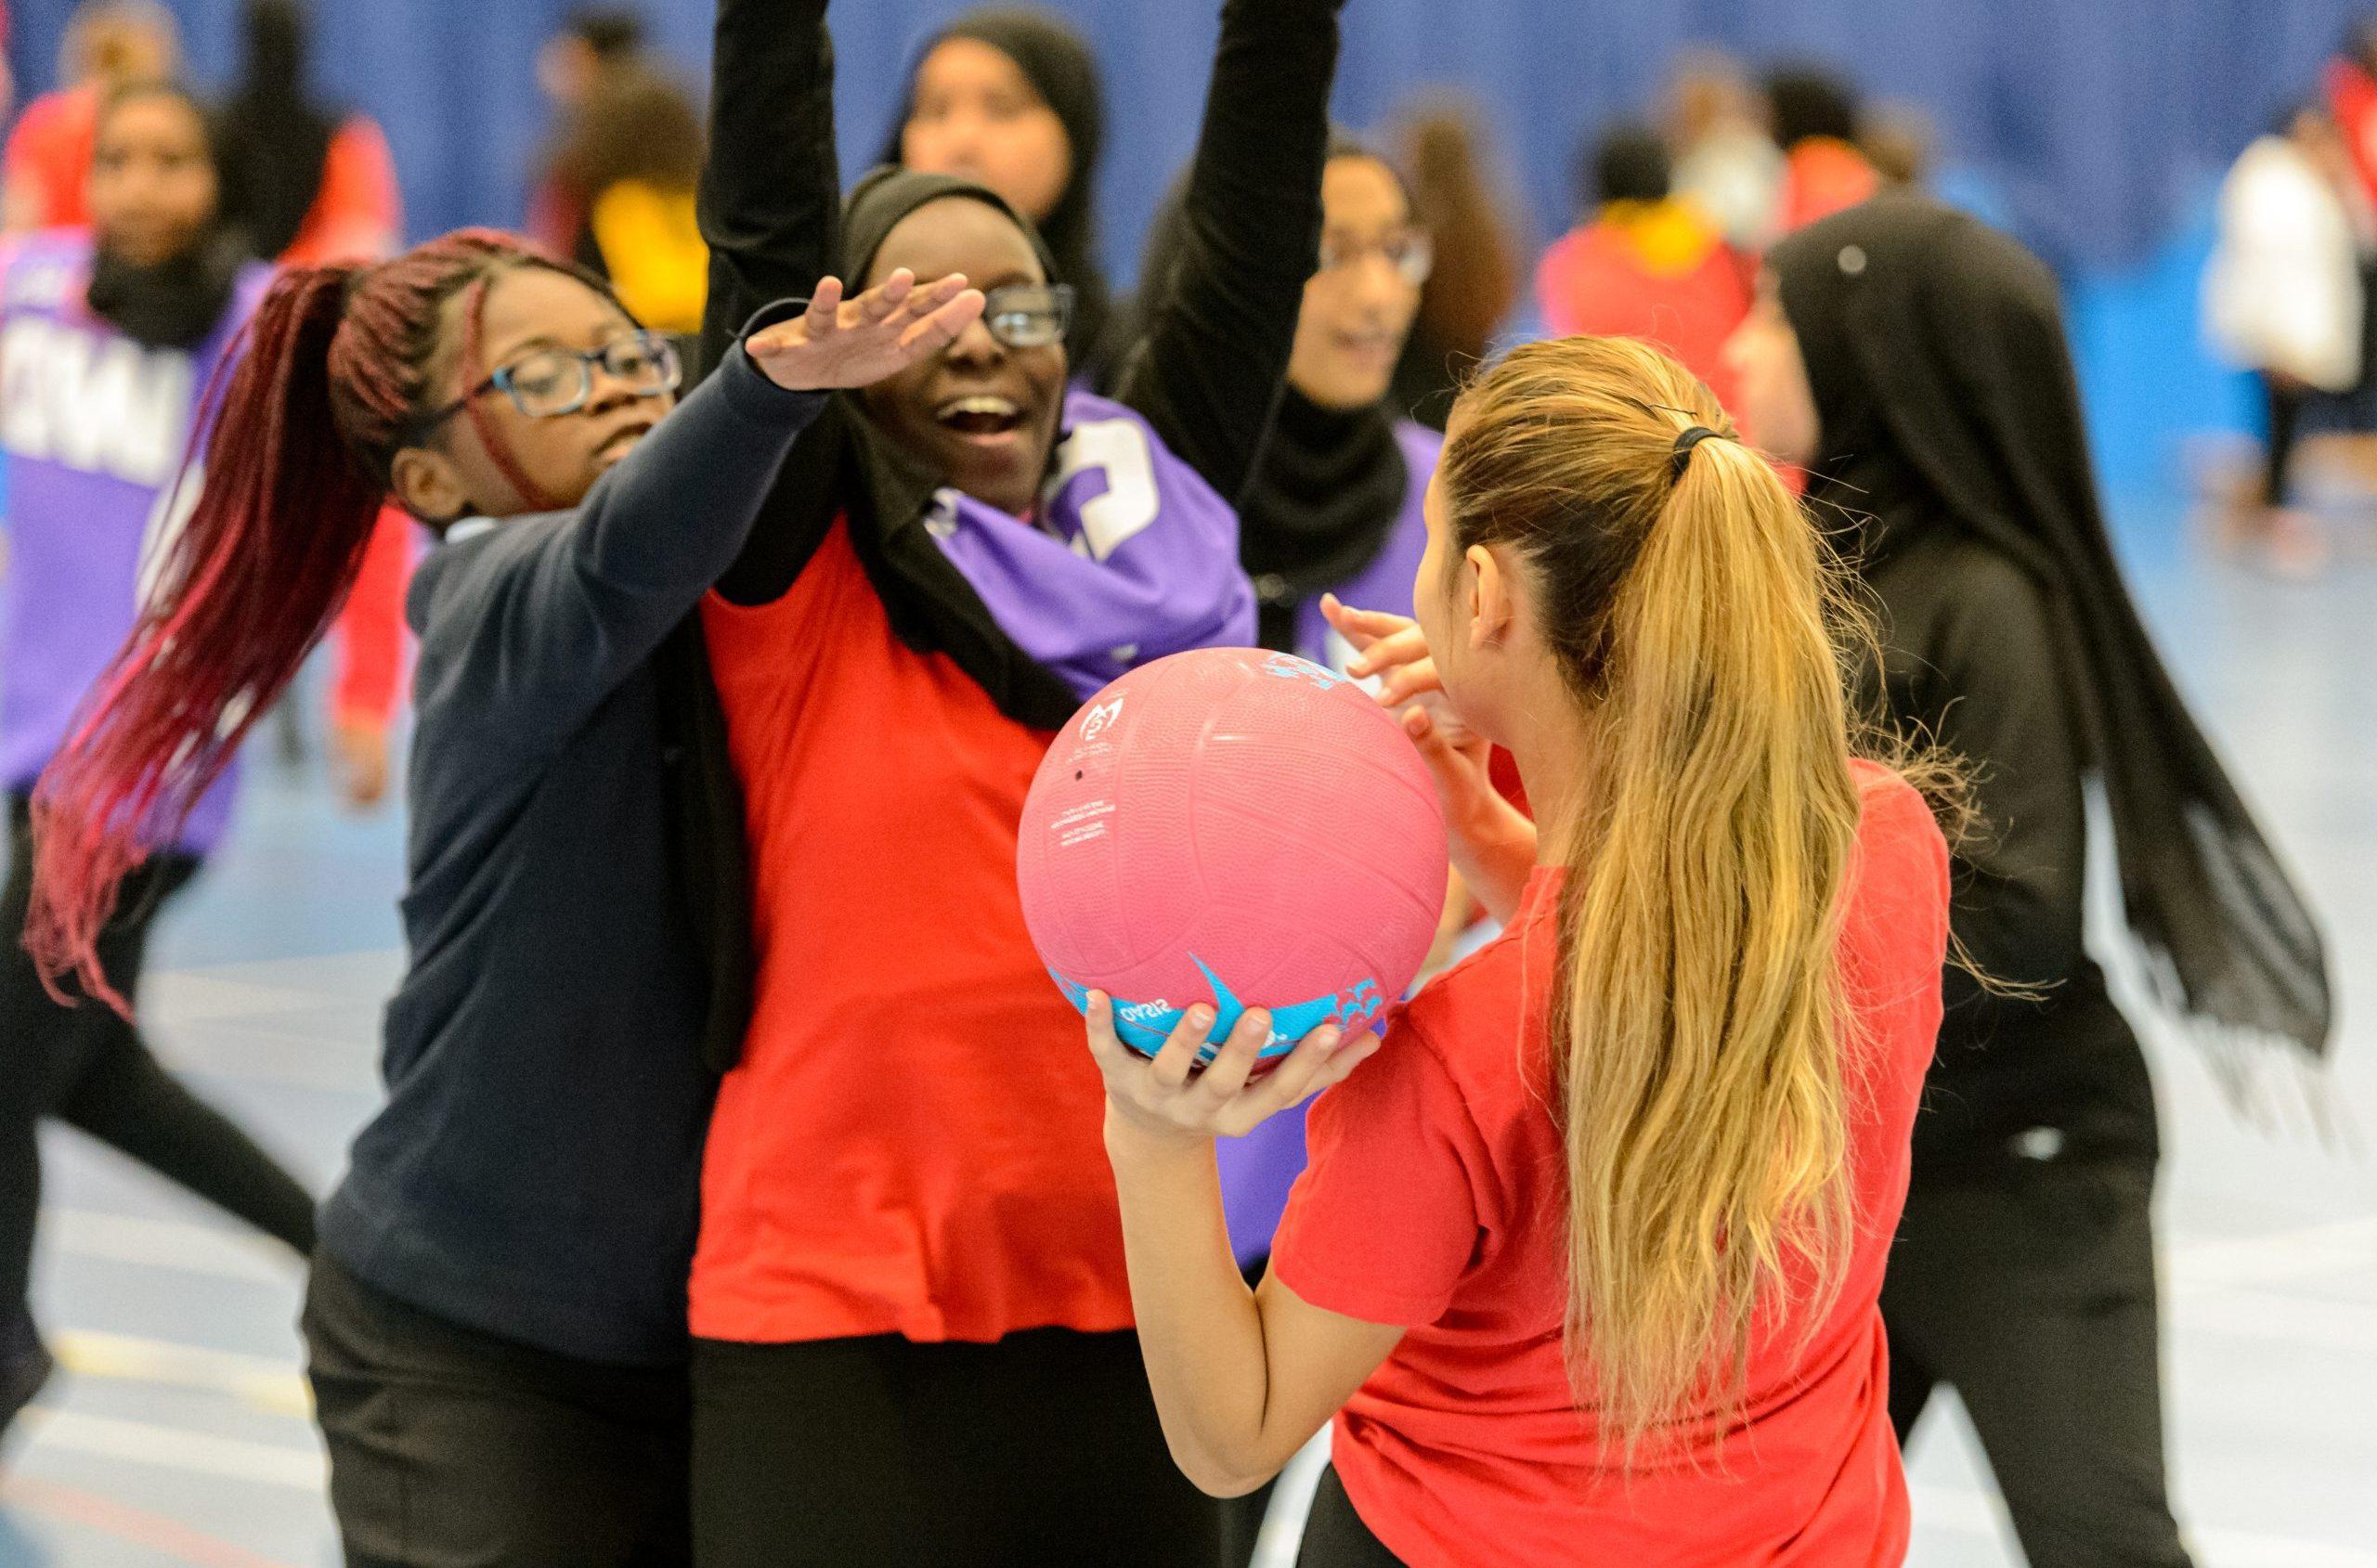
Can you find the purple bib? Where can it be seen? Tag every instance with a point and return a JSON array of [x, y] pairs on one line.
[[95, 427], [1133, 555]]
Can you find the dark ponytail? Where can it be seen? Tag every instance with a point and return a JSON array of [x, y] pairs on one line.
[[299, 444]]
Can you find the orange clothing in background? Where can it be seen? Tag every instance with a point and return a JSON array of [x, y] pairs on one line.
[[359, 213], [49, 158], [1821, 176], [371, 674], [1654, 270]]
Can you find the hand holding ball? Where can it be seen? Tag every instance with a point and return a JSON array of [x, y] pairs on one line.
[[1238, 828]]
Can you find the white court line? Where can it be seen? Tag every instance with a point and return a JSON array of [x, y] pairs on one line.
[[267, 1382], [2283, 1254], [1966, 1512], [298, 1469]]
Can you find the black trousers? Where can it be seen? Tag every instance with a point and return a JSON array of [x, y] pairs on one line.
[[450, 1448], [88, 1067], [2034, 1299], [1042, 1449], [1335, 1537], [2286, 400]]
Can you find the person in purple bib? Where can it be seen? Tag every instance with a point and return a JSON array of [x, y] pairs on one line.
[[109, 338]]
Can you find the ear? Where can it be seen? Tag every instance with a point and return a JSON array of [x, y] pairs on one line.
[[429, 484], [1491, 608]]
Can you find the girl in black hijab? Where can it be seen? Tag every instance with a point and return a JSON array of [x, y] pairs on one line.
[[1915, 361], [1009, 97]]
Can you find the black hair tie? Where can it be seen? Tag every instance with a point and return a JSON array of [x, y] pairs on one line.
[[1681, 458]]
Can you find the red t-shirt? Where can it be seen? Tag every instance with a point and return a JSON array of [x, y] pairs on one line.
[[1436, 1199], [49, 156], [1599, 281], [911, 1143]]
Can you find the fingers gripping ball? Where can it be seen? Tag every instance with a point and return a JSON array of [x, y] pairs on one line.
[[1238, 827]]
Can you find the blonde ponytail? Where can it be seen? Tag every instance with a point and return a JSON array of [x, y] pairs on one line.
[[1698, 1022]]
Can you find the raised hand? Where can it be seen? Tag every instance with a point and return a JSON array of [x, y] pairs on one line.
[[1493, 842], [841, 344]]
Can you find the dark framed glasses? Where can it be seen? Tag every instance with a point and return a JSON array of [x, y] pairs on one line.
[[1029, 315], [551, 382], [1409, 253]]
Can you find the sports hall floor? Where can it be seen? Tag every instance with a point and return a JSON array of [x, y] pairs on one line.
[[177, 1432]]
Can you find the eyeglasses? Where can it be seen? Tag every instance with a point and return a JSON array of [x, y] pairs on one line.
[[1410, 253], [1029, 315], [553, 382]]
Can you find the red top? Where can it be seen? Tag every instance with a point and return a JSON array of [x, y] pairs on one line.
[[49, 157], [1821, 177], [1435, 1200], [911, 1143], [1601, 280], [371, 674], [357, 213]]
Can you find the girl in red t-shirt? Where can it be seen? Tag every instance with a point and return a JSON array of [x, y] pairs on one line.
[[1586, 1263]]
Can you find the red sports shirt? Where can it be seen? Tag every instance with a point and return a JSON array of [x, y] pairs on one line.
[[911, 1143], [1437, 1199]]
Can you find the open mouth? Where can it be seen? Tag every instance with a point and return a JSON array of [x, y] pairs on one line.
[[980, 417]]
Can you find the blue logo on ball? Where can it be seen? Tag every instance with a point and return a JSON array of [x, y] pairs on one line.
[[1145, 1026]]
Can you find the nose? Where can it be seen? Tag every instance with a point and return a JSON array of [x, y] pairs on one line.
[[975, 349], [605, 391], [1378, 282]]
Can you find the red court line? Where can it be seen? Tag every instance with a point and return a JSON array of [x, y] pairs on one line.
[[155, 1532]]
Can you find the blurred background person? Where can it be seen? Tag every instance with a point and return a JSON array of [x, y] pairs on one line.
[[1817, 126], [1901, 142], [310, 184], [110, 337], [1010, 96], [634, 156], [1644, 261], [591, 44], [1459, 200], [109, 44], [1723, 147], [2284, 297]]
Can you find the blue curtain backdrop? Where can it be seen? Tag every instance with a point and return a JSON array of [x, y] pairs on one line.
[[2096, 124]]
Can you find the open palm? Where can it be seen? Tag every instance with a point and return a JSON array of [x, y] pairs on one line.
[[840, 343]]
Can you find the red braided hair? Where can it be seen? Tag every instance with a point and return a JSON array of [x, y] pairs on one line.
[[333, 372]]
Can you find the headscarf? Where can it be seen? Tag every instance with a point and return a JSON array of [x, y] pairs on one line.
[[176, 303], [1936, 352], [274, 140], [1330, 488], [1064, 72]]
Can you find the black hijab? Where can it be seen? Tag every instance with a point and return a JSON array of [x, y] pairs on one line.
[[176, 303], [274, 140], [1330, 486], [1935, 348], [1063, 71]]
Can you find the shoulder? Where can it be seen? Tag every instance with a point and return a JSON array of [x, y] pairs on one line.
[[1955, 588], [1422, 446], [1470, 1018], [1898, 887]]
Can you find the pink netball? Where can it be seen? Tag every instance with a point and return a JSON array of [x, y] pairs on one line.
[[1237, 827]]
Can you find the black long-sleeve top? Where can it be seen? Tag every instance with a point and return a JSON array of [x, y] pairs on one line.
[[1970, 663], [1205, 375]]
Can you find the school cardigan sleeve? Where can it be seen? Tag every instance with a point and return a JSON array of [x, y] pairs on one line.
[[1208, 372], [552, 612]]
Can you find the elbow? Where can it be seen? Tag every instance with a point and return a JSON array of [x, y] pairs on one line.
[[1223, 1475], [1224, 1482]]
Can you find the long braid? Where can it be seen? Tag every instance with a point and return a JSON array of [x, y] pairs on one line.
[[332, 373]]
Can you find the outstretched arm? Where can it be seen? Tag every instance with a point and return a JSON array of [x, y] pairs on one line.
[[1208, 374], [770, 191]]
